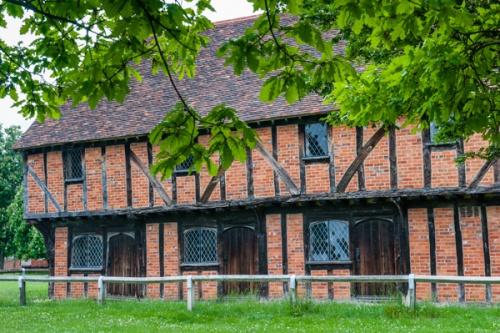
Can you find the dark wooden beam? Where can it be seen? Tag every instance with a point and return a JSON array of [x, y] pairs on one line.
[[44, 189], [212, 184], [360, 158], [432, 249], [496, 172], [361, 167], [249, 167], [459, 251], [46, 181], [284, 250], [152, 180], [482, 172], [274, 139], [161, 250], [486, 251], [393, 158], [104, 179], [151, 191], [84, 184], [25, 183], [284, 176], [331, 155], [462, 181], [426, 158], [128, 174], [302, 163]]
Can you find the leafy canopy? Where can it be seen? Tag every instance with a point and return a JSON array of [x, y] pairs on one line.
[[424, 61]]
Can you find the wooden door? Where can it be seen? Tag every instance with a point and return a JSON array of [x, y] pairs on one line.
[[374, 255], [122, 261], [240, 258]]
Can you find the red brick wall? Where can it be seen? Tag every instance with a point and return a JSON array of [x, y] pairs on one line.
[[420, 249], [167, 183], [35, 194], [472, 242], [317, 178], [295, 248], [473, 165], [186, 190], [446, 257], [493, 214], [140, 183], [444, 169], [61, 261], [152, 258], [344, 140], [93, 168], [377, 175], [288, 154], [319, 289], [171, 258], [410, 163], [341, 290], [55, 179], [77, 288], [263, 175], [116, 177], [236, 181], [75, 197], [274, 253]]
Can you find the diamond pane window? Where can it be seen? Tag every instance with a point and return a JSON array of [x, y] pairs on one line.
[[316, 141], [73, 168], [87, 252], [329, 241], [184, 166], [200, 246]]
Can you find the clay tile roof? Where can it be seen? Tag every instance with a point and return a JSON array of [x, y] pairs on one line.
[[149, 101]]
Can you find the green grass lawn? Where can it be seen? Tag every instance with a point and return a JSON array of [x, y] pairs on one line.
[[233, 315]]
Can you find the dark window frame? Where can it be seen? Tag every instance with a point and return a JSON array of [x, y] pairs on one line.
[[70, 168], [343, 254], [197, 258], [92, 255], [316, 148], [183, 169]]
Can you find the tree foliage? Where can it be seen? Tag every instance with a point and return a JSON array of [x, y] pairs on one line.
[[425, 61]]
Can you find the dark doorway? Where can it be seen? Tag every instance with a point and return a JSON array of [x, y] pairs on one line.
[[240, 258], [374, 253], [122, 261]]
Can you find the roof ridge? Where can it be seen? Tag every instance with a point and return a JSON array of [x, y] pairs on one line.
[[237, 19]]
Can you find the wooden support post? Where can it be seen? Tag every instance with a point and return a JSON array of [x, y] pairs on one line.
[[412, 293], [22, 290], [190, 293], [293, 288], [101, 289]]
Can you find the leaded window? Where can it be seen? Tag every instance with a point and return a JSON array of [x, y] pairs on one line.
[[200, 246], [87, 252], [329, 241], [185, 165], [316, 140], [73, 166]]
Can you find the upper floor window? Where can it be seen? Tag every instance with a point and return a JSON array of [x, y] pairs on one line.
[[329, 241], [316, 140], [184, 166], [87, 252], [73, 166], [433, 130], [200, 246]]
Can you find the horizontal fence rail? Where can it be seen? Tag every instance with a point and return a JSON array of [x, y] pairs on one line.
[[292, 280]]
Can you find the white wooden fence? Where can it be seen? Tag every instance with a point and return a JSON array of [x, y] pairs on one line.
[[292, 280]]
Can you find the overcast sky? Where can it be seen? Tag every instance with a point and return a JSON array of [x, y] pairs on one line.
[[225, 10]]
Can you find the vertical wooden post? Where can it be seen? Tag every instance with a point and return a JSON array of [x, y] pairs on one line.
[[190, 293], [412, 294], [22, 290], [293, 289], [101, 289]]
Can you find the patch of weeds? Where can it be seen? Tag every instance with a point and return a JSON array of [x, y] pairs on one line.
[[399, 310], [302, 307]]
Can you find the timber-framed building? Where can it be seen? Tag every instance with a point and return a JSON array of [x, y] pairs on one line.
[[310, 199]]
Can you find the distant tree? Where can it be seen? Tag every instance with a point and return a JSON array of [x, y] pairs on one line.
[[11, 175], [25, 241]]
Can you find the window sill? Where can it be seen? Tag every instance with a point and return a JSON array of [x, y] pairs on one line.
[[84, 269], [316, 159], [213, 264], [74, 181], [313, 263]]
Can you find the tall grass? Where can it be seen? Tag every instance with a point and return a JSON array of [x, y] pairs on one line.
[[233, 314]]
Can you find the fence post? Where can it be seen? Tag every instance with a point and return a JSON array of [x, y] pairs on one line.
[[190, 293], [101, 290], [412, 295], [293, 288], [22, 290]]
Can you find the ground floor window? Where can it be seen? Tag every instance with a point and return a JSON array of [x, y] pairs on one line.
[[329, 241], [200, 246], [87, 252]]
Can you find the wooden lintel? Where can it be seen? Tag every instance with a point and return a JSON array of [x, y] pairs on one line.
[[360, 158], [44, 189], [152, 180], [211, 185], [280, 171], [481, 173]]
